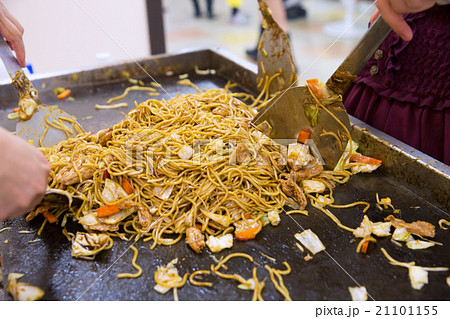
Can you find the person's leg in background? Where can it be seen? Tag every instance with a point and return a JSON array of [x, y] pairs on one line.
[[197, 12], [209, 8], [294, 9]]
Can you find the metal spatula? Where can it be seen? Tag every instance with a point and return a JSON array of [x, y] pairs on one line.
[[34, 128], [274, 54], [295, 109]]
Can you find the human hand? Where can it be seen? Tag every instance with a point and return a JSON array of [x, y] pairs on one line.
[[12, 31], [392, 10], [24, 174]]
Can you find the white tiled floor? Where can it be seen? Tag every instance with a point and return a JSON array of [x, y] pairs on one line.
[[317, 55]]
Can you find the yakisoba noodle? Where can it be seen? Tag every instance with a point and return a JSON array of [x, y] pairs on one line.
[[171, 193], [178, 156]]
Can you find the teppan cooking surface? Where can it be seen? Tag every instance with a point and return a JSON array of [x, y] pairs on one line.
[[47, 263]]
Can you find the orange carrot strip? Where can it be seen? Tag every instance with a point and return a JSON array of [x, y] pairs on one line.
[[314, 85], [64, 94], [358, 158], [16, 109], [127, 187], [304, 135], [107, 210], [247, 234], [312, 81], [364, 247], [49, 216]]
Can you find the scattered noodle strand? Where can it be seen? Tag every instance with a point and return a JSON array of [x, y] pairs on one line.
[[136, 266]]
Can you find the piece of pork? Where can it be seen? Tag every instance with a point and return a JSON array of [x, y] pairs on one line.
[[419, 227], [291, 189], [195, 239]]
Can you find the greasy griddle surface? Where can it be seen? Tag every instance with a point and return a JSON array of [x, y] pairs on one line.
[[49, 265]]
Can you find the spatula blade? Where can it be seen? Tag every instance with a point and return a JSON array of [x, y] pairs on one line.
[[290, 112], [34, 128], [275, 60]]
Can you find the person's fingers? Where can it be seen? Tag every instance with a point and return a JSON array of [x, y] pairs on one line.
[[13, 20], [19, 48], [12, 31], [374, 16], [44, 163], [394, 19], [40, 180], [39, 189], [13, 37]]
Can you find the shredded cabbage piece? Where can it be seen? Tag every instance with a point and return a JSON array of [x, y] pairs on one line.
[[418, 275], [419, 244], [310, 240], [358, 293], [219, 243], [22, 291], [167, 277]]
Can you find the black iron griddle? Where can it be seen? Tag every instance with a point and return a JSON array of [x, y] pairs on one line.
[[48, 264]]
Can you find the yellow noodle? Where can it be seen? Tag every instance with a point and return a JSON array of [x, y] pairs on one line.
[[233, 255], [268, 257], [409, 264], [362, 241], [335, 136], [443, 222], [136, 266], [352, 205], [42, 227], [128, 89], [110, 106], [297, 211], [256, 282], [43, 136], [199, 283], [329, 214], [6, 228], [279, 285], [261, 287], [229, 276]]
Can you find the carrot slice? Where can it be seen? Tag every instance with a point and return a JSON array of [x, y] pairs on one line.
[[358, 158], [64, 94], [50, 217], [312, 82], [127, 187], [364, 247], [247, 234], [107, 210], [304, 135], [314, 85], [16, 109]]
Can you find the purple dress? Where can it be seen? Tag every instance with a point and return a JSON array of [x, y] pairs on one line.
[[404, 89]]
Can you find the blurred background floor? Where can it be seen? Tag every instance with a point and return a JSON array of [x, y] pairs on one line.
[[79, 34], [308, 39]]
